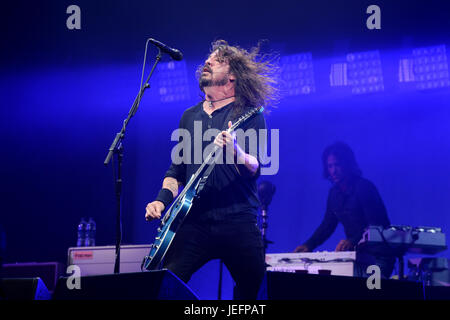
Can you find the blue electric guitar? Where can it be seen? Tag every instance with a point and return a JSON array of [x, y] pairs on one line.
[[180, 207]]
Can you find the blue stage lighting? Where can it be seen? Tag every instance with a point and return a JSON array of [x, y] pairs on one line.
[[430, 67], [361, 71], [297, 74], [338, 75], [173, 82], [364, 72], [406, 70]]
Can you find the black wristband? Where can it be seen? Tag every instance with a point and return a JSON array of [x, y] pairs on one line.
[[165, 196]]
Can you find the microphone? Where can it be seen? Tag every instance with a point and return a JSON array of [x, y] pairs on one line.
[[173, 53]]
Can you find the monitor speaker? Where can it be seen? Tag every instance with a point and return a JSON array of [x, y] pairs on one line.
[[23, 289], [150, 285]]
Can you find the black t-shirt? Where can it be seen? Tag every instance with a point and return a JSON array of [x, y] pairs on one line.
[[227, 194], [357, 208]]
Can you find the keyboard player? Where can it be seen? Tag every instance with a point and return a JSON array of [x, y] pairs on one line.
[[353, 201]]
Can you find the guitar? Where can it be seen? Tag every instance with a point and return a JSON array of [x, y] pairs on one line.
[[183, 203]]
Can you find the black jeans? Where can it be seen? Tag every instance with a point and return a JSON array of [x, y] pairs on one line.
[[238, 244]]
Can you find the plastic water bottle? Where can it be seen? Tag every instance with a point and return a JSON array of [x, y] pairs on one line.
[[81, 233], [90, 233]]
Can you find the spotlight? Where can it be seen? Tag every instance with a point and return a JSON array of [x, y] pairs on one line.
[[430, 67], [361, 71], [297, 74], [173, 82], [364, 72]]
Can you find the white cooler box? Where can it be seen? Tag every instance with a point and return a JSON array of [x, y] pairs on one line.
[[100, 260]]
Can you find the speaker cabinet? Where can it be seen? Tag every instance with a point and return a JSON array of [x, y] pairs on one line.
[[151, 285], [298, 286], [48, 272], [23, 289]]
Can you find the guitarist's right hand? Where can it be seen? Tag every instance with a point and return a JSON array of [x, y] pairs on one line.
[[154, 210]]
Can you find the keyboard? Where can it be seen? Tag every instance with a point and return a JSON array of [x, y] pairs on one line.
[[323, 262]]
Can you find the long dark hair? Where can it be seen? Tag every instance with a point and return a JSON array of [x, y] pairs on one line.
[[255, 74], [346, 158]]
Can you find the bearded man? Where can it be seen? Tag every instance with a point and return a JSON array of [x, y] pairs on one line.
[[222, 223]]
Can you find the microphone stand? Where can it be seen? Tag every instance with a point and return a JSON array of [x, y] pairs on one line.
[[116, 148], [264, 226], [266, 190], [219, 294]]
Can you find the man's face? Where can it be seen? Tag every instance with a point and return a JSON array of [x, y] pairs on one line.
[[214, 73], [335, 169]]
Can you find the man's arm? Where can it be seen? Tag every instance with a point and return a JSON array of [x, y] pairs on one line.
[[325, 229], [372, 206], [155, 208], [173, 178], [323, 232], [246, 162], [172, 184]]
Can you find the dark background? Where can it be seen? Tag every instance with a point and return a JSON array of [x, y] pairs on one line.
[[64, 94]]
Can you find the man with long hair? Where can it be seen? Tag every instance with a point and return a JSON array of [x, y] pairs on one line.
[[222, 223], [353, 201]]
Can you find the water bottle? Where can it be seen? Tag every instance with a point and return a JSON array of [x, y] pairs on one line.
[[81, 233], [90, 233]]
